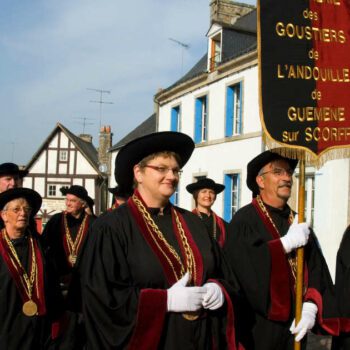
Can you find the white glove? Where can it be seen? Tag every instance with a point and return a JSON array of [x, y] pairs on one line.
[[307, 321], [214, 297], [184, 299], [296, 237]]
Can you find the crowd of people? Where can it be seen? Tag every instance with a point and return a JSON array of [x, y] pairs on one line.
[[147, 274]]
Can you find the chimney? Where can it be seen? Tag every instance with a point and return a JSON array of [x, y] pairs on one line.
[[227, 11], [105, 143], [86, 137]]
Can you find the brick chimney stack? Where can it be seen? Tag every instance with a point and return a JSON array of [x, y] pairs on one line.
[[105, 143], [227, 11], [86, 137]]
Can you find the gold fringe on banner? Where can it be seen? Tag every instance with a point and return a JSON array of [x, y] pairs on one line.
[[299, 152]]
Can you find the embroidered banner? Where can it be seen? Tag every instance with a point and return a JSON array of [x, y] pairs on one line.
[[304, 75]]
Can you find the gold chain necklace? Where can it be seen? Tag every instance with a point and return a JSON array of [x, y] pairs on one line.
[[153, 228], [291, 260], [73, 245], [190, 261], [214, 222], [29, 308]]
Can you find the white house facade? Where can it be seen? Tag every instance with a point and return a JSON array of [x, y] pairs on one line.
[[64, 160], [217, 104]]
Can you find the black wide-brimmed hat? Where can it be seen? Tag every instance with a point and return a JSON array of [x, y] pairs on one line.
[[256, 164], [118, 191], [205, 183], [32, 197], [12, 169], [78, 191], [133, 152]]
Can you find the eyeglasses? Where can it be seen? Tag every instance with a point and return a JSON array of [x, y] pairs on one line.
[[279, 172], [164, 170], [17, 210]]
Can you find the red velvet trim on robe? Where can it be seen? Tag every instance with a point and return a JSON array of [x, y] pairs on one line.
[[38, 295], [280, 303], [230, 322], [331, 325], [221, 225], [280, 279], [196, 253], [151, 313]]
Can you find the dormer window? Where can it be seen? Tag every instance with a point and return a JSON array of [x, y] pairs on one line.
[[214, 47]]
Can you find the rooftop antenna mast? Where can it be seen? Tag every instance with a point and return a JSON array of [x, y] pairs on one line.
[[100, 101], [84, 122], [183, 48]]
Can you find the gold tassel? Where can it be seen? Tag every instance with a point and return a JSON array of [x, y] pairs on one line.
[[299, 152]]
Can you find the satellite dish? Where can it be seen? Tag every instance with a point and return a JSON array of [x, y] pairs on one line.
[[103, 168]]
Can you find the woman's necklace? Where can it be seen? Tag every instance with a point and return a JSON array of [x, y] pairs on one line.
[[29, 307], [213, 218]]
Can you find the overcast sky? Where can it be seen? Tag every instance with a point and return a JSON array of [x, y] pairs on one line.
[[52, 51]]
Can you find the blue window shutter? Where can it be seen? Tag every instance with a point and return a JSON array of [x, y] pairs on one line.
[[174, 119], [198, 121], [238, 191], [227, 197], [172, 198], [229, 112], [239, 97]]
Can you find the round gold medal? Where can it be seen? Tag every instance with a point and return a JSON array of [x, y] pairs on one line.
[[190, 316], [29, 308], [72, 258]]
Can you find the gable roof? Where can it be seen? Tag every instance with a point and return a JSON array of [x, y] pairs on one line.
[[145, 128], [238, 39], [86, 148]]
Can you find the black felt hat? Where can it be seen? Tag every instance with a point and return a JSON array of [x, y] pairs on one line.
[[118, 191], [78, 191], [12, 169], [33, 198], [256, 164], [205, 183], [133, 152]]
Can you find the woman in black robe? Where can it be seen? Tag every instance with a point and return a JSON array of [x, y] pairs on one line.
[[151, 276], [30, 302], [204, 193]]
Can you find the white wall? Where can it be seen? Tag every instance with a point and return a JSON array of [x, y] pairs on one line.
[[331, 207], [331, 181]]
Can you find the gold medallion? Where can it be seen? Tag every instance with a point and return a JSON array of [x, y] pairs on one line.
[[72, 258], [29, 308], [191, 316]]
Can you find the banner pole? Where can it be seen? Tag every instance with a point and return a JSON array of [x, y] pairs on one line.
[[300, 251]]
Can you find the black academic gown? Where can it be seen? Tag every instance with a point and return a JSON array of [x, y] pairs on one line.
[[124, 288], [342, 286], [18, 331], [220, 234], [263, 271], [74, 335]]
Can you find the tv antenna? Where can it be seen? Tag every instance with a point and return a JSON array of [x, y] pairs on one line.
[[100, 101], [84, 122], [183, 48]]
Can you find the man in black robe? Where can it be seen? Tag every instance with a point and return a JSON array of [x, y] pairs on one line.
[[204, 192], [120, 196], [151, 275], [64, 237], [261, 245], [342, 287], [11, 176]]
